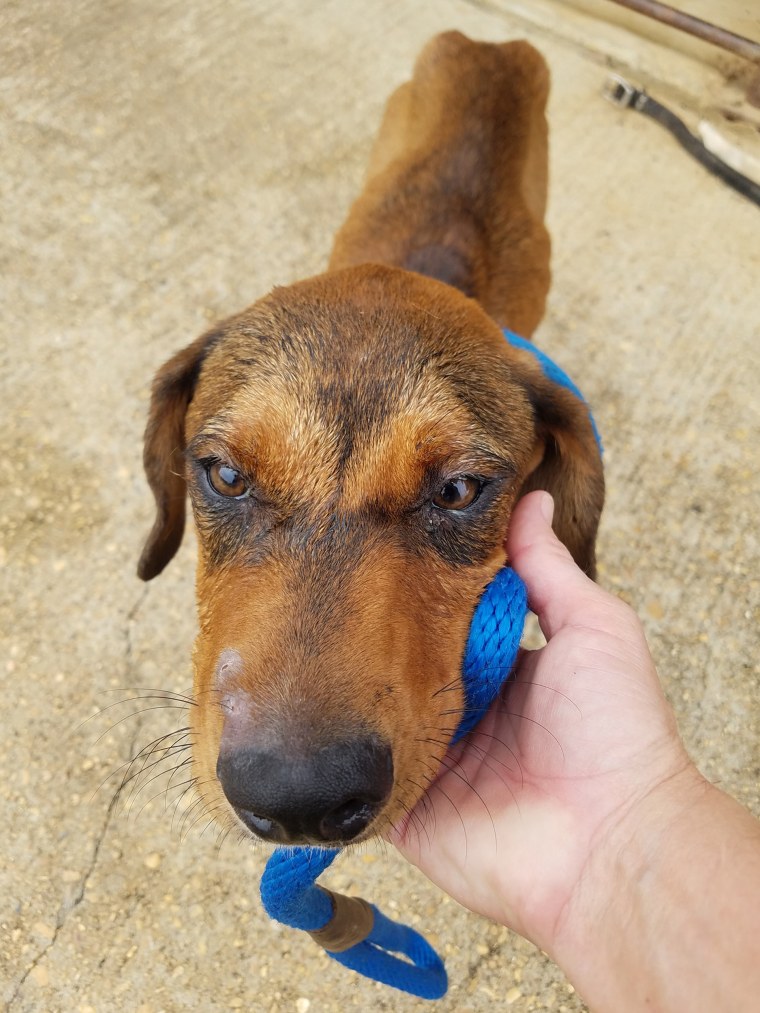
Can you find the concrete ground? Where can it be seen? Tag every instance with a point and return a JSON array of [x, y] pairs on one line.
[[164, 164]]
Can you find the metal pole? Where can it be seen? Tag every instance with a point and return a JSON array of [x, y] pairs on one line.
[[696, 26]]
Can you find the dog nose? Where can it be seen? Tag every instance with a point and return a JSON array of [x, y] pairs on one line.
[[326, 797]]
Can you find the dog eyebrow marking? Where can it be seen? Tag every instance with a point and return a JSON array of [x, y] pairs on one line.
[[311, 449], [272, 431], [435, 433]]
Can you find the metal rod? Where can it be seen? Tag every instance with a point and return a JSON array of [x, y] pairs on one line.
[[695, 26]]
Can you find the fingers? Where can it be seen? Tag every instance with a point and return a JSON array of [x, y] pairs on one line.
[[558, 591]]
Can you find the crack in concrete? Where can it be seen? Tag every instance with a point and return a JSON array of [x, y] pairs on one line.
[[66, 909]]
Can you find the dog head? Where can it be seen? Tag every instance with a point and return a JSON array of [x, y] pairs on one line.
[[353, 446]]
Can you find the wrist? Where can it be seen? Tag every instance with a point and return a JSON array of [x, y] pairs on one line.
[[607, 917], [650, 923]]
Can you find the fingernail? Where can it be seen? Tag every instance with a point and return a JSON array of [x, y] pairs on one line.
[[547, 507]]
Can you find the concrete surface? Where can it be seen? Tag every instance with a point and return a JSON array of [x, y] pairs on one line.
[[164, 164]]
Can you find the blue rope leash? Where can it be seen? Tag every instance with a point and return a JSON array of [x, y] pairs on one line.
[[389, 952]]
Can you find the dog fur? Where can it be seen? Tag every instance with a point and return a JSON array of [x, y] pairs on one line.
[[335, 591]]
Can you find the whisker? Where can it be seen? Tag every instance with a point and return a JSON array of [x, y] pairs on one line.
[[461, 774], [154, 759], [212, 818], [132, 760], [209, 691], [177, 802], [530, 683], [184, 763], [164, 791], [495, 738], [455, 807], [201, 816], [201, 801], [450, 687], [486, 759], [427, 807], [534, 721], [169, 698], [224, 833], [145, 710], [158, 692], [149, 750]]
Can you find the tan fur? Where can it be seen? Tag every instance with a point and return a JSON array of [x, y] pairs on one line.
[[339, 396], [438, 175]]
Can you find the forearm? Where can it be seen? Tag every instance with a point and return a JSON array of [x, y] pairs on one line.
[[667, 916]]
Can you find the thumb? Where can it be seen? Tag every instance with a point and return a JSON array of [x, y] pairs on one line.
[[558, 591]]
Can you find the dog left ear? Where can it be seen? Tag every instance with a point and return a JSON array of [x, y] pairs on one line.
[[163, 455], [569, 465]]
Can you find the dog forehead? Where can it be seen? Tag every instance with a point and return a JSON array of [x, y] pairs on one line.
[[367, 372], [366, 334], [306, 426], [300, 356]]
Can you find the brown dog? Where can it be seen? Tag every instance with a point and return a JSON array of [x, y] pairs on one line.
[[353, 446]]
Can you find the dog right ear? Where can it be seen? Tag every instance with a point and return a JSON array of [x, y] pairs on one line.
[[163, 454], [569, 460]]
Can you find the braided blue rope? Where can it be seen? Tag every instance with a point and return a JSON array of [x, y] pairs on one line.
[[288, 886], [288, 891], [422, 975], [492, 645]]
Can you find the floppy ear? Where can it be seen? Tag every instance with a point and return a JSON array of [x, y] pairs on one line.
[[570, 467], [163, 458]]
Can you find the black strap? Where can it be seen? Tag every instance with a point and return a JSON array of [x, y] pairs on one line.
[[625, 95]]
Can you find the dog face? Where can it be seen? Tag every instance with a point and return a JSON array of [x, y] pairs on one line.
[[353, 446]]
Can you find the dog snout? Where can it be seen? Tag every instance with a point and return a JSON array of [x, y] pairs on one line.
[[327, 795]]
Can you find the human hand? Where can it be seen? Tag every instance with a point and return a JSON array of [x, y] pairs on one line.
[[579, 741]]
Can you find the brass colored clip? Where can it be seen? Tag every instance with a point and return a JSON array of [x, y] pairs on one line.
[[351, 923]]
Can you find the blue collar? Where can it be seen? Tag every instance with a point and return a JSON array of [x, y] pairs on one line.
[[499, 618], [552, 372]]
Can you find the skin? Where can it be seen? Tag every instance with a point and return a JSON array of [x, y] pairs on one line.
[[573, 814]]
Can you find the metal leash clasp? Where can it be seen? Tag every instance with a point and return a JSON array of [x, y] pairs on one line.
[[620, 92]]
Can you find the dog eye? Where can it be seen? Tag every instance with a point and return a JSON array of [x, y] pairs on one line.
[[458, 494], [226, 480]]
